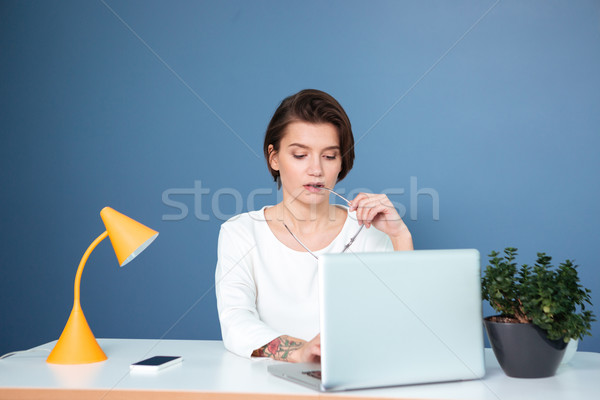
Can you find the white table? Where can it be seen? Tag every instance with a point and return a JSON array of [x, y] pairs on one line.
[[209, 371]]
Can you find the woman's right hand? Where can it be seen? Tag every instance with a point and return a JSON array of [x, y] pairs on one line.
[[309, 352], [287, 348]]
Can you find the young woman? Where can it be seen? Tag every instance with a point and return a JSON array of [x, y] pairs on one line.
[[266, 276]]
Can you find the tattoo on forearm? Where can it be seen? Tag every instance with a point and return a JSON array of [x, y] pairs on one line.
[[280, 348]]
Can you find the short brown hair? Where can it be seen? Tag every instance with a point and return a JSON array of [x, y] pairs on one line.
[[316, 107]]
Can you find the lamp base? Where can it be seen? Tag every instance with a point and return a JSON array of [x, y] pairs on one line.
[[77, 344]]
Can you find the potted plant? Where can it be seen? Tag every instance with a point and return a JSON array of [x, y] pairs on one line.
[[541, 308]]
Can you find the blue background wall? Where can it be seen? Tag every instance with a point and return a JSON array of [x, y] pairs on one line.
[[491, 108]]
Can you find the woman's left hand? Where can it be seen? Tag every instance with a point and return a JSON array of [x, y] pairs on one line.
[[377, 210]]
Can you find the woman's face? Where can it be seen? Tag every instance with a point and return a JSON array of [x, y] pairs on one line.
[[309, 154]]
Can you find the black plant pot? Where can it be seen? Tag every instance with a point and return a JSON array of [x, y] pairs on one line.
[[523, 350]]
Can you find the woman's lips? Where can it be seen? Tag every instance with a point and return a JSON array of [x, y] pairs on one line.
[[311, 188]]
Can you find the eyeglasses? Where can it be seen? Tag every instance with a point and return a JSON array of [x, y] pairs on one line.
[[351, 239]]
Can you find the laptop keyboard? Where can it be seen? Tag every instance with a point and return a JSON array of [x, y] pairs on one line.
[[314, 374]]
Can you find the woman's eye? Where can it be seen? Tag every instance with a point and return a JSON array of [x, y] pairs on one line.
[[299, 155], [331, 157]]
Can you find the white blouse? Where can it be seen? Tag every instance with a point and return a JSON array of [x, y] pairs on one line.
[[265, 289]]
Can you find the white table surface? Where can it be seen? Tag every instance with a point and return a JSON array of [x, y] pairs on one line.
[[209, 368]]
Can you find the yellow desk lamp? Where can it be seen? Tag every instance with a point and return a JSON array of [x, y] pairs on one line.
[[77, 344]]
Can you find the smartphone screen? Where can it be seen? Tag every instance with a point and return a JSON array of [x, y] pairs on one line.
[[156, 362]]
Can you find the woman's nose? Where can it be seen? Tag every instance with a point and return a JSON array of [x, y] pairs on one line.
[[315, 168]]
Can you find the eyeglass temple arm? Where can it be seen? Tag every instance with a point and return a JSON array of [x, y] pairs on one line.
[[332, 191], [352, 239]]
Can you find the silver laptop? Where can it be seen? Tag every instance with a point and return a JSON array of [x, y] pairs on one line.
[[396, 318]]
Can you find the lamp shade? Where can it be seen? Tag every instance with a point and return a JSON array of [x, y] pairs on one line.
[[128, 237]]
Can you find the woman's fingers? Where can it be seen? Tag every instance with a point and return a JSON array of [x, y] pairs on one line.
[[369, 206], [312, 350]]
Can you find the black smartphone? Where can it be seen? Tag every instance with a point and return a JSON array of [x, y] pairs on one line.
[[155, 363]]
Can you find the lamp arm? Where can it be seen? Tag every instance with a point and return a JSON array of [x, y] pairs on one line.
[[82, 264]]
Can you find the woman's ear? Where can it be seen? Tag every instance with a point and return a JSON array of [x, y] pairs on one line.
[[273, 158]]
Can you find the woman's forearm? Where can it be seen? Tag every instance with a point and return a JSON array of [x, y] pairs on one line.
[[282, 348], [403, 242]]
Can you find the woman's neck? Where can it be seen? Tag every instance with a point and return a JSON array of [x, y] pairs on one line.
[[306, 218]]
